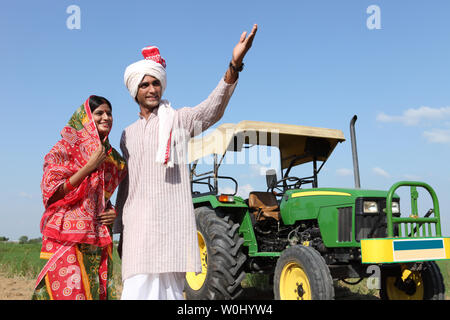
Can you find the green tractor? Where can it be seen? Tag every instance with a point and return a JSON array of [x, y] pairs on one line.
[[305, 237]]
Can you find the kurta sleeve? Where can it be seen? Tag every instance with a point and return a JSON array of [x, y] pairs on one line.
[[122, 193], [199, 118]]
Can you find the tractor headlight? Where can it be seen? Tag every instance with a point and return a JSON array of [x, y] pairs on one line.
[[395, 207], [370, 207]]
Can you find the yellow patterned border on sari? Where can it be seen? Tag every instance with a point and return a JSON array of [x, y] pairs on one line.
[[84, 276]]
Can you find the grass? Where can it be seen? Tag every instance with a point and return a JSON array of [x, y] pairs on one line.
[[362, 290], [344, 291], [258, 281], [444, 265], [22, 260]]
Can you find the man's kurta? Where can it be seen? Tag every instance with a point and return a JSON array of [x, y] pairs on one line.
[[154, 202]]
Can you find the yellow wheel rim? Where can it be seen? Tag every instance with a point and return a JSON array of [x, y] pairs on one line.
[[195, 280], [294, 283], [412, 287]]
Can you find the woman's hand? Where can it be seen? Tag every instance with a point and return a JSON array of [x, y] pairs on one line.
[[97, 158], [107, 217]]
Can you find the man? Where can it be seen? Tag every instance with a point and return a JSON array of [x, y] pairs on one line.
[[154, 202]]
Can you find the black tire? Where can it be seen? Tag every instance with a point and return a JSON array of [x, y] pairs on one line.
[[426, 284], [225, 259], [317, 283]]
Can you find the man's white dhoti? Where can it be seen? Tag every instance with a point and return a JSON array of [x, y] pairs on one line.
[[154, 286]]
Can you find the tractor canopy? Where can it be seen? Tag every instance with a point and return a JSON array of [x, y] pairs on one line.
[[297, 144]]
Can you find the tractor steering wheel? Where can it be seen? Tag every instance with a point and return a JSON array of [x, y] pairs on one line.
[[282, 185]]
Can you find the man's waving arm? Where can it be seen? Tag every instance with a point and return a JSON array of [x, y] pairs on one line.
[[239, 52], [208, 112]]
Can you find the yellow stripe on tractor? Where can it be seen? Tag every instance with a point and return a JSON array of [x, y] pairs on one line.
[[320, 193]]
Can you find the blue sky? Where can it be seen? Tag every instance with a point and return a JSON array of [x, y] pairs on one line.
[[313, 63]]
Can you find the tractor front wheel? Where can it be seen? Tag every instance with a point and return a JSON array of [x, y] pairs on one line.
[[302, 274]]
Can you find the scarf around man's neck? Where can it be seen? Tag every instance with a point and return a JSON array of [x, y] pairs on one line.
[[164, 154]]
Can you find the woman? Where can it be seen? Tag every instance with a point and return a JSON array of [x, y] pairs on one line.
[[81, 173]]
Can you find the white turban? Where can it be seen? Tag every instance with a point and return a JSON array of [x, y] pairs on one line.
[[135, 72]]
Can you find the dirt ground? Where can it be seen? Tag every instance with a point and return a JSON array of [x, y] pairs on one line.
[[15, 288], [18, 288], [21, 289]]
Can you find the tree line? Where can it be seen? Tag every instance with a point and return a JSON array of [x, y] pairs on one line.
[[23, 239]]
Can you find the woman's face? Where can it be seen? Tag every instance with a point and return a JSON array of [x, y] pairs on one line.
[[103, 119]]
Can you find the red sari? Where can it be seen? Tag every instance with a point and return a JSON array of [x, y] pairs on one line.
[[71, 233]]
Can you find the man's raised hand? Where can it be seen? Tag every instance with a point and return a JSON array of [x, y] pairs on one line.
[[243, 46]]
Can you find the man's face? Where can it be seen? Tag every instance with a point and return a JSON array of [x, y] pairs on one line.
[[149, 92]]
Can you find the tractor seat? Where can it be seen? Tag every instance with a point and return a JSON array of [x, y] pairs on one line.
[[264, 205]]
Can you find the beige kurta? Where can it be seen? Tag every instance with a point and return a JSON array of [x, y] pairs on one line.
[[154, 203]]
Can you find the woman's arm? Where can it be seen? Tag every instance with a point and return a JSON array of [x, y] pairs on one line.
[[75, 180]]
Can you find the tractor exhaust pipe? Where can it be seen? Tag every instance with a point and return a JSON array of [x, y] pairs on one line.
[[354, 153]]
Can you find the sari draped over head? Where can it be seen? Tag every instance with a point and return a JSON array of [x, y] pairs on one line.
[[73, 219], [77, 246]]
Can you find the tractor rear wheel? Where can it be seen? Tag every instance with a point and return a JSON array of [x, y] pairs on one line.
[[302, 274], [402, 282], [221, 256]]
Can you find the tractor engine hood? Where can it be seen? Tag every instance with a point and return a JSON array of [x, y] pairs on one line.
[[300, 204]]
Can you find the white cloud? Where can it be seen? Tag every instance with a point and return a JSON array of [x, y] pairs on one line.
[[380, 172], [437, 135], [261, 170], [344, 172], [412, 117], [25, 195], [226, 190], [243, 190], [412, 177]]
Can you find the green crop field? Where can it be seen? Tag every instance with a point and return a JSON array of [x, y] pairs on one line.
[[22, 260]]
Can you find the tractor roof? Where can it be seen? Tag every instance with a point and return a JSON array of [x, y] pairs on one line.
[[302, 142]]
